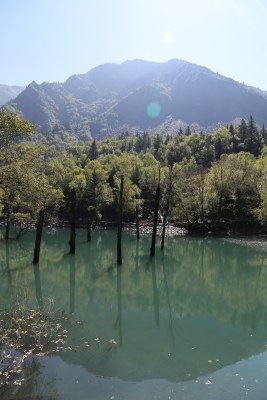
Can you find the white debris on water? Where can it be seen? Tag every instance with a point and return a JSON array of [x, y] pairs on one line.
[[146, 229]]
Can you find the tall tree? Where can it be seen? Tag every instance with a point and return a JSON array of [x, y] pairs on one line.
[[155, 219], [242, 131], [167, 195], [76, 185], [252, 142], [120, 216], [93, 152]]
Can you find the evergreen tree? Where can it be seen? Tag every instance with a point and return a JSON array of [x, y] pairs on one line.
[[231, 129], [167, 139], [242, 131], [93, 153], [218, 148], [187, 131], [252, 142], [156, 144]]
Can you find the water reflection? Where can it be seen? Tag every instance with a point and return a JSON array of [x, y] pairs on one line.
[[167, 292], [196, 308], [38, 286], [155, 290], [8, 271], [118, 322], [72, 283]]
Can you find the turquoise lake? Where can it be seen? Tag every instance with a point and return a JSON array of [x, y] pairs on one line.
[[190, 323]]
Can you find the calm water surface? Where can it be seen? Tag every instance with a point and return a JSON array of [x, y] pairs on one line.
[[189, 324]]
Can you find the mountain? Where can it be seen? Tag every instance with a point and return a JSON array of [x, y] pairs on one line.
[[9, 92], [140, 95]]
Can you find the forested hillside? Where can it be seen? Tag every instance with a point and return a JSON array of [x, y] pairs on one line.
[[207, 181], [139, 95]]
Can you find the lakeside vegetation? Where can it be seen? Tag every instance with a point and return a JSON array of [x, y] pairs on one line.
[[208, 182], [204, 182]]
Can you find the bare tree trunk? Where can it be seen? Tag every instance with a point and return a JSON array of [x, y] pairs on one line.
[[164, 224], [167, 208], [38, 237], [119, 234], [155, 222], [72, 221], [137, 222], [89, 231]]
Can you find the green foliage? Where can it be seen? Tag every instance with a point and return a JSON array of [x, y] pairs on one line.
[[130, 194], [12, 127], [233, 192], [98, 192], [207, 180]]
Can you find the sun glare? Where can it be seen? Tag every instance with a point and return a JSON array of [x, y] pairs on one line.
[[168, 37]]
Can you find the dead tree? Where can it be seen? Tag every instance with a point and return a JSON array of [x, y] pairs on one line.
[[155, 221], [72, 221], [38, 237], [119, 234]]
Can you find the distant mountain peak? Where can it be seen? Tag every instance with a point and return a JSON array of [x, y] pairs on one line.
[[113, 97], [9, 92]]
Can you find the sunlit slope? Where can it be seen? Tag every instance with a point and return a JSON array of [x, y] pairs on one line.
[[115, 97]]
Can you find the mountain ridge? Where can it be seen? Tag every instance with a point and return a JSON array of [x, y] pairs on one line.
[[111, 98]]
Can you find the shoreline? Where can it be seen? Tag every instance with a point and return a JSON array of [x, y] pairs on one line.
[[172, 229]]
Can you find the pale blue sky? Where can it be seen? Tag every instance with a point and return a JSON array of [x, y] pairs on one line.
[[49, 40]]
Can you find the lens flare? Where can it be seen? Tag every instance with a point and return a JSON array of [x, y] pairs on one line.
[[153, 109]]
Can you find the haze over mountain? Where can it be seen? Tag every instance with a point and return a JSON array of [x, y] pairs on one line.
[[140, 95], [9, 92]]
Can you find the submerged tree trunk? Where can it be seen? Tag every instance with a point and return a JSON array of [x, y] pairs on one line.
[[137, 221], [7, 224], [155, 222], [164, 224], [72, 221], [89, 231], [167, 208], [38, 237], [38, 286], [119, 234]]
